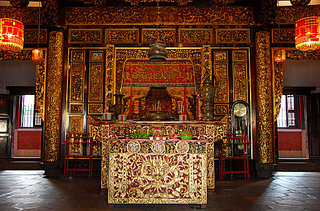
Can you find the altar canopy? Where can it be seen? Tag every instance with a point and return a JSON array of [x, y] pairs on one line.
[[169, 73]]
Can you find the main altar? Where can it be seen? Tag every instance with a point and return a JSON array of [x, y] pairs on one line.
[[143, 171]]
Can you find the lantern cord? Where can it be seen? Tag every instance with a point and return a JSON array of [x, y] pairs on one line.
[[39, 21]]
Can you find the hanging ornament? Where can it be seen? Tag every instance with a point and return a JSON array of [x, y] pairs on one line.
[[307, 33], [37, 55], [280, 55], [11, 35], [19, 3], [300, 2]]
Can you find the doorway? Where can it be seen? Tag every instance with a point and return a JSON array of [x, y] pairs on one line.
[[27, 127], [291, 127]]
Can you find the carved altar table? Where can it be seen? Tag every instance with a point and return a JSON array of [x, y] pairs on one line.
[[105, 131], [157, 172]]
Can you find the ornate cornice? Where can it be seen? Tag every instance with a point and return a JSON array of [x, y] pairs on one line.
[[25, 15], [168, 16], [289, 15]]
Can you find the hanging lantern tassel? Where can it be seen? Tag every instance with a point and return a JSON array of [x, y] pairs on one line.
[[37, 55], [307, 33], [280, 55]]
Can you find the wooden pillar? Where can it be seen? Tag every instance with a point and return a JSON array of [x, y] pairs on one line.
[[53, 105], [264, 98]]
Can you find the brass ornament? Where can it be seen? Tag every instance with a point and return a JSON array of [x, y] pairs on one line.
[[264, 98], [53, 98]]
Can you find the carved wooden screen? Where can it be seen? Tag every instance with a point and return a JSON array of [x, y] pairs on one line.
[[231, 69]]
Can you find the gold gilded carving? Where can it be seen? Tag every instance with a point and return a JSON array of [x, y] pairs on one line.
[[26, 15], [283, 35], [264, 98], [196, 36], [95, 108], [157, 178], [239, 56], [95, 92], [41, 85], [230, 36], [194, 54], [289, 15], [75, 126], [211, 131], [163, 35], [221, 56], [133, 147], [278, 87], [77, 75], [179, 2], [182, 147], [220, 109], [110, 76], [220, 71], [31, 36], [77, 56], [122, 36], [76, 108], [294, 54], [86, 36], [170, 15], [54, 97], [158, 146], [240, 77], [96, 56]]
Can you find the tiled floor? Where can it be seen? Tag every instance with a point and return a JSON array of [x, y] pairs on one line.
[[29, 190]]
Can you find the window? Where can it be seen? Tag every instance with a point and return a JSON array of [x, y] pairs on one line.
[[288, 112], [29, 115]]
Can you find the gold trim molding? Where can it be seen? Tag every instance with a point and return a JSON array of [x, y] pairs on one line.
[[169, 15]]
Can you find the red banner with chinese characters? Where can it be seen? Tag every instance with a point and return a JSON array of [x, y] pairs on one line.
[[172, 72]]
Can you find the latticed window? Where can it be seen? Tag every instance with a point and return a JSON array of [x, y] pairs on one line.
[[29, 115], [288, 112]]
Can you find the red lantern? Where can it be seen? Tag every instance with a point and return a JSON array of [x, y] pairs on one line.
[[307, 33], [37, 55], [280, 55], [11, 35]]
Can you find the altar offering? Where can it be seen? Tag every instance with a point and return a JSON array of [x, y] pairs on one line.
[[107, 116], [122, 117], [186, 135], [182, 117]]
